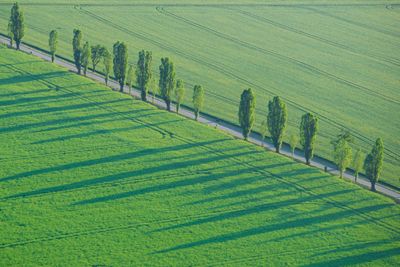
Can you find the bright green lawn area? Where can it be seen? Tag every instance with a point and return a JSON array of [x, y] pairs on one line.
[[341, 62], [89, 177]]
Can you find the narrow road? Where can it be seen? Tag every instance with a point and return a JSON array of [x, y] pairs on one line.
[[224, 126]]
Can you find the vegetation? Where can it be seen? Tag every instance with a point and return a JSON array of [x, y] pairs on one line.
[[342, 155], [129, 78], [85, 57], [16, 25], [97, 53], [358, 163], [179, 93], [120, 63], [246, 112], [124, 182], [77, 49], [144, 73], [107, 62], [308, 134], [309, 57], [293, 142], [53, 41], [263, 131], [277, 120], [374, 162], [198, 100], [167, 80]]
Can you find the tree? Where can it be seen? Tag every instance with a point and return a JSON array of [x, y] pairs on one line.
[[167, 80], [357, 163], [179, 94], [129, 78], [308, 133], [96, 55], [344, 135], [246, 112], [86, 55], [143, 73], [293, 141], [16, 24], [10, 33], [53, 41], [342, 155], [374, 162], [120, 63], [198, 100], [264, 131], [107, 61], [77, 49], [277, 119], [154, 88]]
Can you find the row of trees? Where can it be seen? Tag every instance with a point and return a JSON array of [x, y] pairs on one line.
[[168, 85], [276, 123]]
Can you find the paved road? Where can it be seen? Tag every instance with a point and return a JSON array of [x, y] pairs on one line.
[[224, 126]]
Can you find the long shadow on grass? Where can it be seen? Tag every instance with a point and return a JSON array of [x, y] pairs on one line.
[[33, 77], [20, 63], [367, 257], [256, 209], [269, 228], [87, 163], [61, 108], [63, 122], [176, 184], [91, 134], [34, 100], [14, 94], [98, 122]]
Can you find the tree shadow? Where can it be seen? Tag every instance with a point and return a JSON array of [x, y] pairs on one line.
[[102, 131], [359, 258], [63, 123], [33, 77], [60, 108], [269, 228], [171, 185], [87, 163], [233, 183], [256, 209]]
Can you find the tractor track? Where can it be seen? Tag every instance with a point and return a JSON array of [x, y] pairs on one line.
[[224, 71]]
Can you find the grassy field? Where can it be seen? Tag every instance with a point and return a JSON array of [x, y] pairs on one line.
[[92, 177], [341, 62]]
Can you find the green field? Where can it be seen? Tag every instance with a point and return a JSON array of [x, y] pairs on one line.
[[92, 177], [341, 62]]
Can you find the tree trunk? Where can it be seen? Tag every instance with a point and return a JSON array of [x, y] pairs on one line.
[[143, 95], [196, 115], [177, 107], [356, 177], [341, 173], [307, 161], [52, 57], [373, 189], [106, 80], [277, 149], [168, 102], [17, 43]]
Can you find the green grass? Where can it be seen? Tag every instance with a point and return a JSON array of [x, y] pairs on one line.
[[92, 177], [341, 62]]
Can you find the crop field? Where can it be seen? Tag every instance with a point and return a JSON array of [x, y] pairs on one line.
[[339, 61], [92, 177]]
